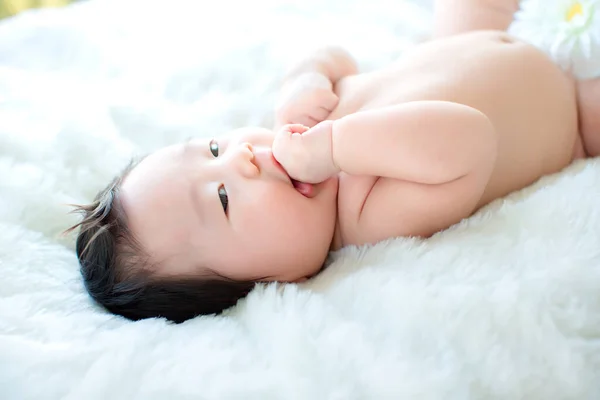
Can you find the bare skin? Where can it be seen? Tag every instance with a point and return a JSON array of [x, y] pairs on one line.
[[452, 17], [542, 120], [407, 150], [530, 103]]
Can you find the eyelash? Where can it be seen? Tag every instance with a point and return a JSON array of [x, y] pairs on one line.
[[223, 198], [214, 150]]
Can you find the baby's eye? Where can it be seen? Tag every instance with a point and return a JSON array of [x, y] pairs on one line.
[[223, 197], [214, 148]]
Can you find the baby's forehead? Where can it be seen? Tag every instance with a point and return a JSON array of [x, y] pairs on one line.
[[154, 164]]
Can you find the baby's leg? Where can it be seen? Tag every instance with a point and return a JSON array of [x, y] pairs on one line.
[[589, 115], [459, 16]]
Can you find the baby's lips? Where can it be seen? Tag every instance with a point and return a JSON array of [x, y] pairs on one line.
[[306, 189]]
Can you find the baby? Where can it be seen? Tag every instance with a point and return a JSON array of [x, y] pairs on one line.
[[407, 150]]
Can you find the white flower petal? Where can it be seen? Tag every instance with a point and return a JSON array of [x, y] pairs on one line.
[[586, 67], [573, 44], [585, 41]]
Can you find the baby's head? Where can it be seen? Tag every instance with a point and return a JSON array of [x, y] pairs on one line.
[[191, 228]]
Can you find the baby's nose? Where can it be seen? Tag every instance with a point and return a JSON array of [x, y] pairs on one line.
[[245, 152], [244, 160], [247, 147]]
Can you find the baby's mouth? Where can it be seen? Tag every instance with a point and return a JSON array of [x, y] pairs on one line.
[[306, 189]]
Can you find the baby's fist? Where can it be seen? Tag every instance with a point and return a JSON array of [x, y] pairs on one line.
[[306, 153], [307, 99]]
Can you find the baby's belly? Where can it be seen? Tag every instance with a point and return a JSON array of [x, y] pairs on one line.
[[530, 101]]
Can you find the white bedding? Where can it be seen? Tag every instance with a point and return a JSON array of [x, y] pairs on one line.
[[505, 305]]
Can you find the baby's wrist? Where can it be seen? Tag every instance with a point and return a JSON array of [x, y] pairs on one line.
[[334, 162], [325, 130]]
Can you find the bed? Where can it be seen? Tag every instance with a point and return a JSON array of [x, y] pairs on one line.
[[504, 305]]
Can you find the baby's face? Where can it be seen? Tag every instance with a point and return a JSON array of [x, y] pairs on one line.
[[225, 206]]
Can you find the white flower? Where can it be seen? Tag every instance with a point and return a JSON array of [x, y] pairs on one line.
[[567, 30]]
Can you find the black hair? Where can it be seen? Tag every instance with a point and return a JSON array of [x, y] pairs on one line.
[[116, 270]]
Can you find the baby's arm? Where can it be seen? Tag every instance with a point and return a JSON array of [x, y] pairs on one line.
[[424, 142], [428, 142], [458, 16]]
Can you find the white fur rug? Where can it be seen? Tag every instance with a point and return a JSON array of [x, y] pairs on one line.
[[503, 306]]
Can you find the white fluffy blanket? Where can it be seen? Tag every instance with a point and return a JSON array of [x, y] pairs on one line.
[[504, 305]]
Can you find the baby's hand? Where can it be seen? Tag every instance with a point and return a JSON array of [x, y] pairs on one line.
[[306, 154], [308, 99]]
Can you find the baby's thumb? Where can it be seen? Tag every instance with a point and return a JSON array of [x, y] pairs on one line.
[[281, 146]]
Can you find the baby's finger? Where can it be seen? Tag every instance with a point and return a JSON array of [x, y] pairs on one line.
[[296, 128], [330, 102], [319, 114], [307, 120], [281, 145]]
